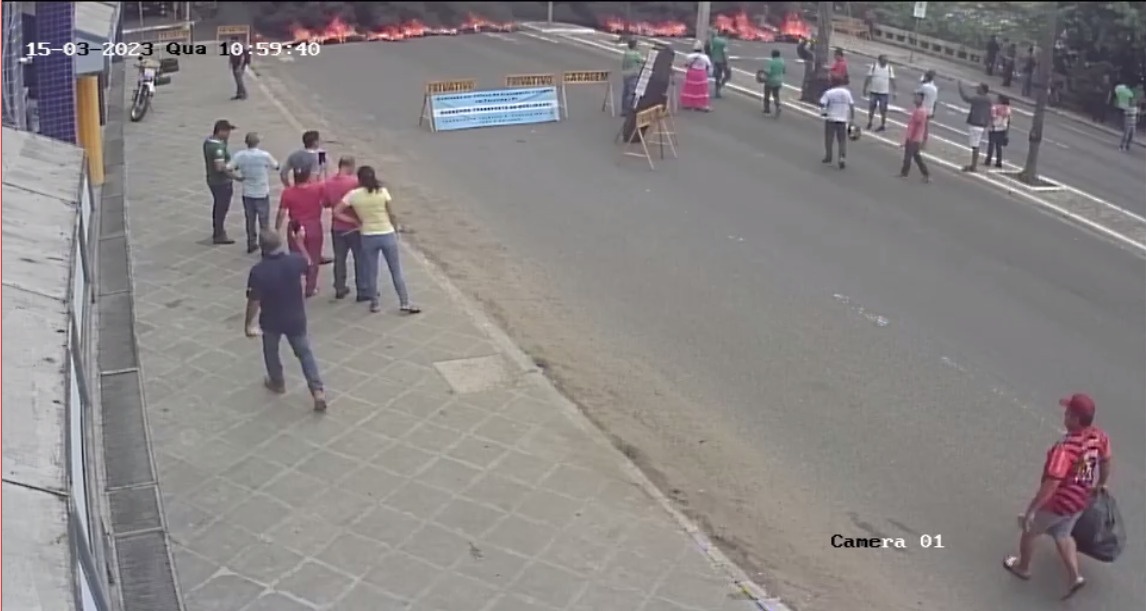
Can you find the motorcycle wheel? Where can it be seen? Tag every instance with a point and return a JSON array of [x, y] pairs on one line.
[[139, 106]]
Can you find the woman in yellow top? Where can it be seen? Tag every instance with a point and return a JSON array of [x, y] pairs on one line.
[[371, 204]]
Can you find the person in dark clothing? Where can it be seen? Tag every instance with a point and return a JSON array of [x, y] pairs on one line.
[[219, 176], [239, 63], [1030, 62], [992, 54], [978, 120], [275, 296], [1009, 56]]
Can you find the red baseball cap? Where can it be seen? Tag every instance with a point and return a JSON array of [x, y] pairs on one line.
[[1079, 404]]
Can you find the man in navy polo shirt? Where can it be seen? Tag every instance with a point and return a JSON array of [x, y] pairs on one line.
[[275, 294]]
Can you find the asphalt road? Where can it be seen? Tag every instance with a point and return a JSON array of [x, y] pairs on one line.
[[1078, 155], [797, 351]]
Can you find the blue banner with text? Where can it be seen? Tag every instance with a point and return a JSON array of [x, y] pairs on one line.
[[524, 106]]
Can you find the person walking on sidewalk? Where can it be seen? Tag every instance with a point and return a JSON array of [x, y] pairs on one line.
[[371, 205], [718, 52], [1128, 106], [631, 64], [913, 140], [694, 94], [999, 135], [879, 86], [1076, 468], [302, 201], [219, 179], [978, 120], [344, 236], [239, 63], [839, 110], [254, 165], [274, 295], [774, 81]]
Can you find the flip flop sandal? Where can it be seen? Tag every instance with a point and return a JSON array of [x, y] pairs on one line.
[[1009, 563], [1075, 588]]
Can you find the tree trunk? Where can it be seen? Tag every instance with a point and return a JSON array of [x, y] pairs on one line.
[[1030, 172], [816, 75]]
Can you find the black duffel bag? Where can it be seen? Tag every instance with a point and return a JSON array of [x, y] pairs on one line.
[[1100, 532]]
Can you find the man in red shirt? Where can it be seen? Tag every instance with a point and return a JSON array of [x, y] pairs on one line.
[[344, 236], [302, 201], [1076, 467], [913, 139], [839, 69]]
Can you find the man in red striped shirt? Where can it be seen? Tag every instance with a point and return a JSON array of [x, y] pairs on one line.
[[1076, 467]]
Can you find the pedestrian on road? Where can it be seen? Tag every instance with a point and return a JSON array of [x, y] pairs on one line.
[[978, 120], [992, 54], [839, 69], [839, 110], [930, 93], [774, 81], [1010, 57], [302, 201], [253, 165], [219, 179], [999, 135], [631, 64], [306, 158], [913, 140], [694, 94], [239, 63], [371, 205], [1076, 468], [879, 86], [1030, 64], [718, 53], [274, 294], [1127, 105], [344, 236]]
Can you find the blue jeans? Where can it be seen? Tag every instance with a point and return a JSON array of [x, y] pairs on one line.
[[220, 205], [348, 244], [257, 210], [1128, 128], [385, 245], [628, 90], [300, 344]]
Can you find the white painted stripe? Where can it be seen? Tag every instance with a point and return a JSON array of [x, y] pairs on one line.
[[986, 177]]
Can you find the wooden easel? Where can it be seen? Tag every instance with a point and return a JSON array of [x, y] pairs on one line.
[[589, 77], [656, 121]]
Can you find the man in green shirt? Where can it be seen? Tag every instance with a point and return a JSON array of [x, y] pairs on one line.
[[718, 53], [219, 177], [774, 73], [631, 64]]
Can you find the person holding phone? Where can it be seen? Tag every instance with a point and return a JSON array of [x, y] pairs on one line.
[[307, 158]]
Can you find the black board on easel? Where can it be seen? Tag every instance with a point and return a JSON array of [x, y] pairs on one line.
[[652, 88]]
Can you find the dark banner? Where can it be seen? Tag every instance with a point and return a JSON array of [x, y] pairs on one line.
[[652, 87]]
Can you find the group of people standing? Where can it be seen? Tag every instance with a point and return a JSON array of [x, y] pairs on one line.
[[363, 231]]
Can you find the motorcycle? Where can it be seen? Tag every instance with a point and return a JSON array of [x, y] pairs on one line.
[[150, 74]]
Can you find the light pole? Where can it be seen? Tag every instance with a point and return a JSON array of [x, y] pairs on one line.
[[1030, 172], [815, 74], [703, 12], [550, 13]]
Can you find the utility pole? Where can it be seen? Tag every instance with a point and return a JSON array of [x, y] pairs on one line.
[[1030, 172], [550, 13], [815, 74], [703, 12]]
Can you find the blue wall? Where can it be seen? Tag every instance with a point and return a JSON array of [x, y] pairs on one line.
[[55, 74]]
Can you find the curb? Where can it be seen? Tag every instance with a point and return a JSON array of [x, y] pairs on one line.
[[753, 592]]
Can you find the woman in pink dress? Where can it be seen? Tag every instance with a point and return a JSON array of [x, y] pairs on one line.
[[694, 94]]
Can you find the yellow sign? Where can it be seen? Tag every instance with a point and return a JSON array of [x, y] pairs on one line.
[[227, 32], [648, 116], [653, 126], [457, 86], [530, 80], [586, 76], [176, 35]]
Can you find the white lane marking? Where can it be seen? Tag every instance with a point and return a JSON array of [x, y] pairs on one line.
[[986, 177], [502, 37]]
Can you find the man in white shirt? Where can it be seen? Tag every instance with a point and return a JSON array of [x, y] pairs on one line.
[[930, 92], [879, 87], [254, 165], [838, 108]]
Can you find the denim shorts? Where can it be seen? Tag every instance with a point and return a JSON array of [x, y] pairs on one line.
[[1056, 525]]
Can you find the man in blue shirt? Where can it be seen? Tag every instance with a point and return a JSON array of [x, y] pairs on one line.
[[275, 294]]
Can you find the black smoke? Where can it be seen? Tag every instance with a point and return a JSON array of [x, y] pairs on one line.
[[277, 18]]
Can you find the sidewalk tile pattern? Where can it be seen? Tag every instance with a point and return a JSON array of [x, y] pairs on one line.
[[407, 494]]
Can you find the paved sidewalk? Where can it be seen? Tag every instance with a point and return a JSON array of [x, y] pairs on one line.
[[443, 477]]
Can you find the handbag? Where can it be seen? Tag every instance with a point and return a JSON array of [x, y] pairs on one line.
[[1006, 139], [1100, 531]]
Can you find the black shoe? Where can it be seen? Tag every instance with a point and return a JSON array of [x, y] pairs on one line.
[[325, 261], [222, 240], [882, 128], [341, 293], [826, 160], [251, 248], [361, 299], [768, 111], [236, 97], [999, 165], [868, 127], [843, 164]]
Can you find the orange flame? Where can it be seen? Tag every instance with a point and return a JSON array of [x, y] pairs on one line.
[[338, 32], [740, 26], [793, 27], [663, 29]]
